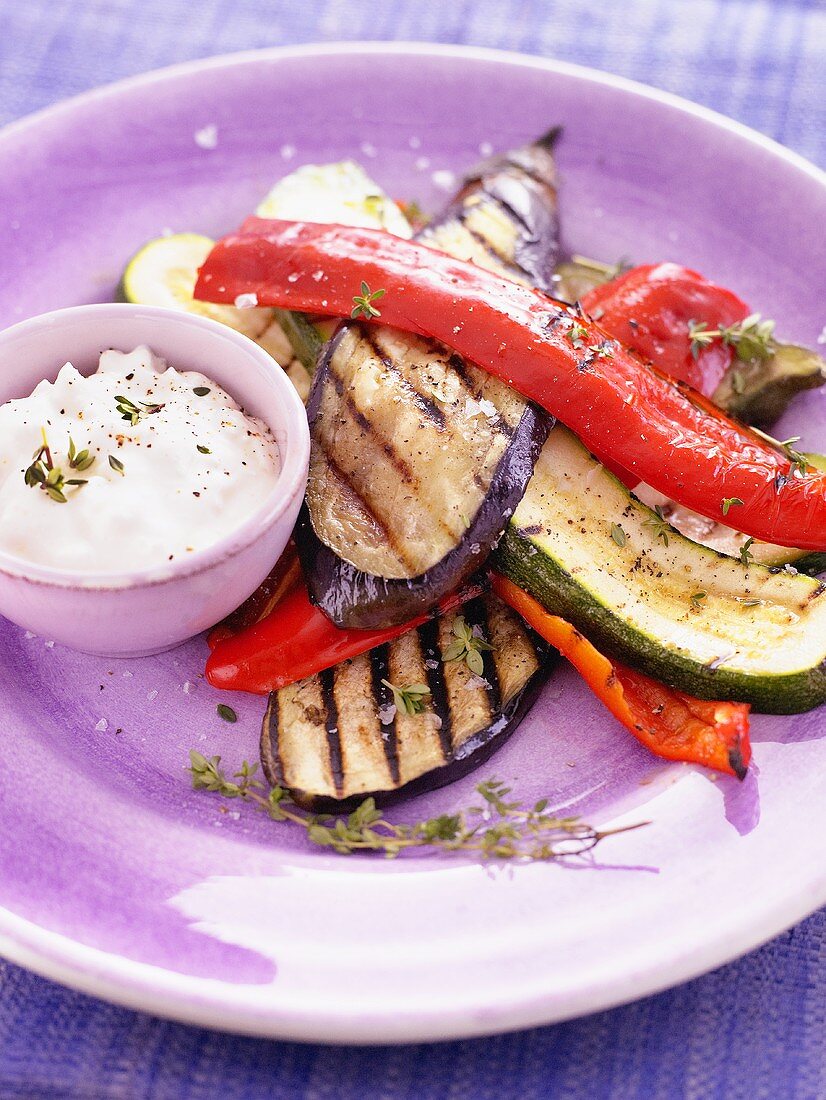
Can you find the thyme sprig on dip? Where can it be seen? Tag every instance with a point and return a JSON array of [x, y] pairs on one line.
[[44, 474], [496, 829], [132, 412]]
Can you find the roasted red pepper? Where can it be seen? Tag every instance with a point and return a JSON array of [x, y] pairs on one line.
[[297, 640], [668, 722], [649, 309], [662, 432]]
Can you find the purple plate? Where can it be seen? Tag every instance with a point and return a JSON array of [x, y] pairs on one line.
[[114, 876]]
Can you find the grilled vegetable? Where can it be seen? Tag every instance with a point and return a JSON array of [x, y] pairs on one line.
[[669, 723], [293, 639], [589, 552], [349, 732], [340, 193], [418, 456], [759, 391], [163, 273], [728, 540], [654, 309], [664, 433]]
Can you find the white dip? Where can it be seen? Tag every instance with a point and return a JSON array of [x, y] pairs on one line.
[[151, 495]]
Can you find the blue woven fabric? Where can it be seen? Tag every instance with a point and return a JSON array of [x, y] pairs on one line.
[[756, 1028]]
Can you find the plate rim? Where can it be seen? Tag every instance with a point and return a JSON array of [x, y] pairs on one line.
[[202, 1001]]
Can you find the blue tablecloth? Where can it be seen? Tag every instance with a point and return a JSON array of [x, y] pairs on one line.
[[756, 1028]]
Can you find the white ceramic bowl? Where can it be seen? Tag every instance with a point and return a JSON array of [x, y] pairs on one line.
[[129, 614]]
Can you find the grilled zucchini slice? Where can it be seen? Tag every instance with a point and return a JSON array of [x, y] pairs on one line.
[[163, 273], [702, 622], [338, 736]]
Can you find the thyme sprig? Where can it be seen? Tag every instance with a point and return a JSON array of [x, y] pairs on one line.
[[746, 556], [363, 303], [44, 474], [132, 412], [606, 271], [662, 528], [409, 699], [751, 338], [798, 460], [468, 646], [497, 829]]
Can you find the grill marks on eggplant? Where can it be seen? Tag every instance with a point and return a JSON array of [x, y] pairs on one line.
[[336, 736], [417, 455], [390, 451]]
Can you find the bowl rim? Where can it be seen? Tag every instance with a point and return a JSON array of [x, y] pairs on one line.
[[290, 482]]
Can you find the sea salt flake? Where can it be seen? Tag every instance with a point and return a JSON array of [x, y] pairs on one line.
[[368, 149], [485, 149], [246, 301], [444, 179], [421, 163], [387, 714], [49, 645], [317, 276], [102, 726], [292, 277], [128, 675], [207, 137], [188, 687], [287, 152], [152, 695], [29, 634]]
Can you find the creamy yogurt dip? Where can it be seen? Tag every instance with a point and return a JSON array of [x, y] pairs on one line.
[[172, 466]]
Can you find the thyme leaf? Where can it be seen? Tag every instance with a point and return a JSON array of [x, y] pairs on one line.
[[363, 303], [618, 535], [132, 412], [468, 646], [502, 828], [730, 502], [44, 474], [409, 699], [746, 557], [662, 528]]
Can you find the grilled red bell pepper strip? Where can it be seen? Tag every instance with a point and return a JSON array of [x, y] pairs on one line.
[[297, 640], [662, 432], [668, 722], [649, 309]]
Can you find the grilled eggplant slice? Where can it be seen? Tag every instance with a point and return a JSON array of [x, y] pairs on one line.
[[337, 736], [418, 457]]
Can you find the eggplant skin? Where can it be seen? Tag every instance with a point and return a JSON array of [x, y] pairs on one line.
[[523, 183], [334, 739], [352, 597]]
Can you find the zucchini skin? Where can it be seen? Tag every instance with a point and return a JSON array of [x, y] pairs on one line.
[[541, 571], [518, 559]]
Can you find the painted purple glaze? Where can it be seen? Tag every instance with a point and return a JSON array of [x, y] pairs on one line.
[[114, 876], [150, 610]]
